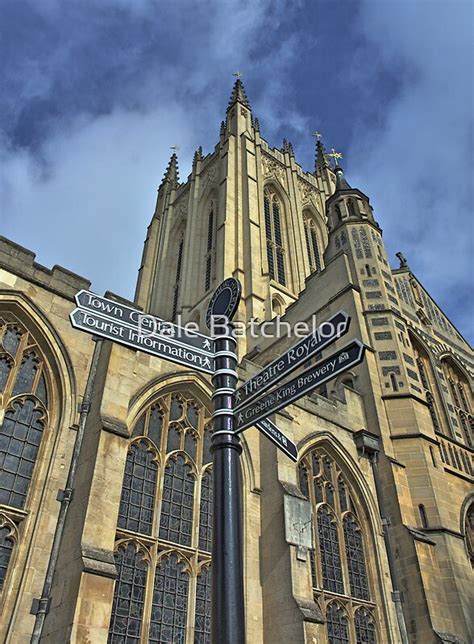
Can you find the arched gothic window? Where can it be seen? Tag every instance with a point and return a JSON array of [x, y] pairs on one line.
[[429, 385], [339, 562], [166, 514], [274, 236], [460, 398], [24, 407], [312, 244], [210, 248], [469, 533], [177, 282]]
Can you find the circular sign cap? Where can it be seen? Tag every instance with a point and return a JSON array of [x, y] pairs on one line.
[[225, 301]]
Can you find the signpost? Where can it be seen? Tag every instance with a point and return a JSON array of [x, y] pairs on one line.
[[228, 616], [233, 410], [327, 333], [345, 358]]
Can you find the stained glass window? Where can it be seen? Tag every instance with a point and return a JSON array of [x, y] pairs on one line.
[[329, 550], [6, 547], [129, 595], [274, 237], [338, 561], [429, 385], [20, 437], [177, 504], [337, 625], [162, 479], [210, 249], [312, 244], [202, 633], [23, 384], [365, 627], [170, 602], [355, 558], [460, 395], [205, 512], [177, 283], [138, 489]]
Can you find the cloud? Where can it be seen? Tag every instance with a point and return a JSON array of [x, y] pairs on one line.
[[416, 163], [100, 90]]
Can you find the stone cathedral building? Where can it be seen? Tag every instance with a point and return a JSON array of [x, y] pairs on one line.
[[105, 466]]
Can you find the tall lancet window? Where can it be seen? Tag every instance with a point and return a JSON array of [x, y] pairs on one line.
[[429, 386], [24, 408], [461, 397], [177, 283], [274, 237], [210, 248], [164, 529], [339, 573], [312, 243]]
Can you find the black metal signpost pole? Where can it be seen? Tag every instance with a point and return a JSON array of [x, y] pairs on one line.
[[228, 617]]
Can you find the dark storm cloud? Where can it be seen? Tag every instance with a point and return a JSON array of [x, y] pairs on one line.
[[94, 93]]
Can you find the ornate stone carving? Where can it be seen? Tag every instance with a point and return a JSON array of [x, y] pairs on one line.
[[272, 168]]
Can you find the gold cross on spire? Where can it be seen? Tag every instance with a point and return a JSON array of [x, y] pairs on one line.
[[237, 74], [175, 148], [334, 155]]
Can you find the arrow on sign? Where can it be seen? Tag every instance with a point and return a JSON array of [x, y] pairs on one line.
[[327, 333], [347, 357], [156, 345], [275, 434]]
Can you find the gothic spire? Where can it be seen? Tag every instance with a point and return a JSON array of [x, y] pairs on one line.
[[172, 172], [238, 95], [320, 161]]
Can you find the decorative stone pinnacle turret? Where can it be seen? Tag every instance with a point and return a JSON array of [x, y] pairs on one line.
[[172, 172], [320, 161], [257, 125], [222, 131], [238, 95], [197, 155]]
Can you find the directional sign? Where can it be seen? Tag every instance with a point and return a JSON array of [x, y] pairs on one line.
[[147, 324], [275, 434], [130, 336], [326, 333], [344, 359]]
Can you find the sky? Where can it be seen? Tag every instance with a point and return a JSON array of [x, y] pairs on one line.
[[95, 92]]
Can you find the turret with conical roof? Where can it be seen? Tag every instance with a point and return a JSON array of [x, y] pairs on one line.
[[347, 203]]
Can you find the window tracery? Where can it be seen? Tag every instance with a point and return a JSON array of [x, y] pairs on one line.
[[166, 513], [274, 236], [210, 248], [312, 243], [338, 562], [460, 395], [24, 407]]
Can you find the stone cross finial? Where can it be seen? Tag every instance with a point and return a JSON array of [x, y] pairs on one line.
[[318, 135], [237, 74]]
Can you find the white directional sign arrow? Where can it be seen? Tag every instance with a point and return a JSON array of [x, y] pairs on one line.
[[347, 357], [326, 333], [131, 336]]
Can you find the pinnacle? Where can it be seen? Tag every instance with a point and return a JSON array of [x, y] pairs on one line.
[[341, 182], [239, 95], [172, 171]]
